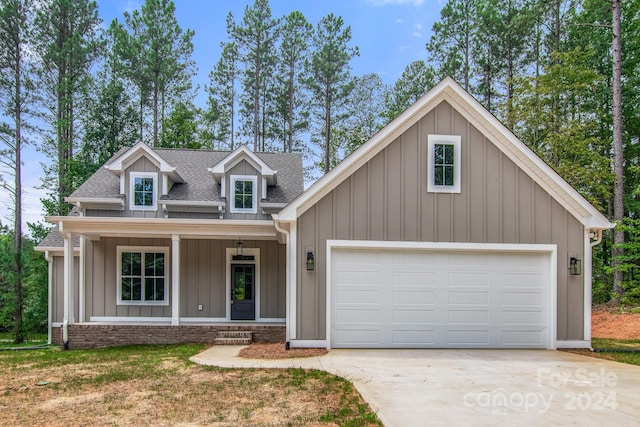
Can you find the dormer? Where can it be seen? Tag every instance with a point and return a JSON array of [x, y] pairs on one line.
[[143, 186], [244, 187]]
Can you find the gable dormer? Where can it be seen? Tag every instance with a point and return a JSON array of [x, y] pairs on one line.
[[244, 188], [144, 176]]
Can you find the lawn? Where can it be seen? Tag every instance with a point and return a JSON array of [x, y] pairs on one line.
[[157, 385]]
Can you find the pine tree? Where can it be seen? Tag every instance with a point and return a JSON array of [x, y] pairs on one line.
[[256, 38], [16, 98], [219, 116], [330, 82], [289, 117], [67, 44], [157, 54]]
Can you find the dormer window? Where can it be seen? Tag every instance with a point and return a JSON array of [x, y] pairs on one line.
[[244, 189], [143, 192]]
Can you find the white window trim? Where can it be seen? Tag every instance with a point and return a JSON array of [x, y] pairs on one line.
[[232, 193], [454, 140], [167, 275], [132, 180]]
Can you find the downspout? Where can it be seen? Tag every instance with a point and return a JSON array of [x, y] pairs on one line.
[[280, 229], [588, 278], [49, 259]]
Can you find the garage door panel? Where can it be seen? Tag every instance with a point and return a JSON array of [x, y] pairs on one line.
[[465, 337], [429, 299], [411, 297], [412, 338], [421, 317], [523, 299], [357, 315], [468, 297], [468, 316]]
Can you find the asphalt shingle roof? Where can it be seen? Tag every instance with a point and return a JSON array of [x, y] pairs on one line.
[[198, 183]]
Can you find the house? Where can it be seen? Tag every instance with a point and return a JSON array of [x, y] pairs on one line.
[[442, 231]]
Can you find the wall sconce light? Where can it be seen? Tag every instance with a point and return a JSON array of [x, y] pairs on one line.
[[575, 266], [239, 247], [311, 262]]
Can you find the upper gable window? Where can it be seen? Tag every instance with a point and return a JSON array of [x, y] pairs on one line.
[[443, 164], [143, 192], [244, 189]]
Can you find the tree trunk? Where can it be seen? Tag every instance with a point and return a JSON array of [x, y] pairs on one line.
[[618, 158], [17, 228]]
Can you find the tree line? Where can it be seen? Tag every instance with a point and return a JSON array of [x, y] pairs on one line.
[[545, 68]]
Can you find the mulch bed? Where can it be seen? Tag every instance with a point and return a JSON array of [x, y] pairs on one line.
[[278, 351]]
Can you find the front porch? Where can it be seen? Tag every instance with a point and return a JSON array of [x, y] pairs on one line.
[[134, 284]]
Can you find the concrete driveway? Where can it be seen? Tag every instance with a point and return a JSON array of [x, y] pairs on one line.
[[475, 387]]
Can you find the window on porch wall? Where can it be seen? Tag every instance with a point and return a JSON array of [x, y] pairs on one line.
[[142, 276]]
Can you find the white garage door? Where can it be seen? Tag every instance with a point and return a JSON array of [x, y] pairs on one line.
[[390, 298]]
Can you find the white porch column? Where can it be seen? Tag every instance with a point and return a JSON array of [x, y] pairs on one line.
[[68, 285], [81, 280], [175, 279]]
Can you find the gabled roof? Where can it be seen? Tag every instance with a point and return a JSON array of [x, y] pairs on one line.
[[235, 157], [450, 91], [122, 160]]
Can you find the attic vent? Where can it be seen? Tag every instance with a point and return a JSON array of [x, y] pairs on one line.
[[243, 258]]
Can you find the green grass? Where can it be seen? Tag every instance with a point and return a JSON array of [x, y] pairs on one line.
[[619, 356], [6, 340]]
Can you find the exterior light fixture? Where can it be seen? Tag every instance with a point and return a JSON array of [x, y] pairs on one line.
[[311, 262], [239, 247], [575, 266]]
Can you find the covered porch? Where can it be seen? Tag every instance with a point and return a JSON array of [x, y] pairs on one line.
[[148, 280]]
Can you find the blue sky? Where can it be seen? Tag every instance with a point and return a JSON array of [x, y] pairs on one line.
[[390, 34]]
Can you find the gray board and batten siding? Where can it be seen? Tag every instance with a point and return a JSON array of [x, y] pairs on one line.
[[387, 200]]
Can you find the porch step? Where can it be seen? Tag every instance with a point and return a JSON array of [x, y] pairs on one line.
[[233, 338]]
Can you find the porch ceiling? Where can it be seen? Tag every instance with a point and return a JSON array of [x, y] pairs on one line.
[[95, 227]]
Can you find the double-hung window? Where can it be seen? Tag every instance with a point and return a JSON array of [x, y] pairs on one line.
[[443, 164], [244, 189], [143, 191], [142, 275]]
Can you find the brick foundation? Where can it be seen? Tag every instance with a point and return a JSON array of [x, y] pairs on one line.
[[100, 336]]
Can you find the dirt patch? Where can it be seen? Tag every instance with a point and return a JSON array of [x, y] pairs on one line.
[[278, 351], [613, 324]]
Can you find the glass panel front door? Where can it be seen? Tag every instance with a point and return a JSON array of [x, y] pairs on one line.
[[243, 305]]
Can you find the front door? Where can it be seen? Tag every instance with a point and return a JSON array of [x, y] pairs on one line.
[[243, 303]]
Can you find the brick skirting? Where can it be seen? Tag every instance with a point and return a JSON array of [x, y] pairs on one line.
[[100, 336]]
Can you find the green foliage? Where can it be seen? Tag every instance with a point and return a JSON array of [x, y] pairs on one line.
[[416, 79], [34, 283], [179, 130], [218, 117], [629, 261]]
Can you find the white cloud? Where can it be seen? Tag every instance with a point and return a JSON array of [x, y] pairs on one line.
[[399, 21], [415, 3], [416, 34], [418, 27]]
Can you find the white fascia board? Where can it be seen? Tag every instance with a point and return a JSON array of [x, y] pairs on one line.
[[96, 203], [57, 251], [450, 91], [193, 203], [239, 154], [136, 152], [444, 246], [165, 227]]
